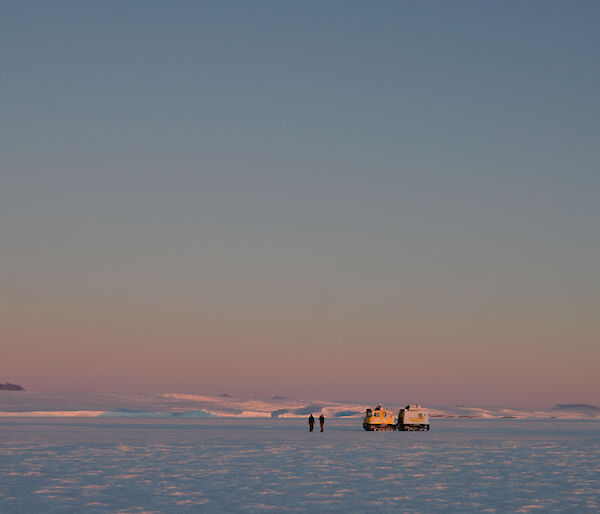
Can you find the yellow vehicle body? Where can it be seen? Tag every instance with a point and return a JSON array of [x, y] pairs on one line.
[[379, 419]]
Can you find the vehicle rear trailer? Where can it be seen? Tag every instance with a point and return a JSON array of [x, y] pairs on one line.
[[413, 418]]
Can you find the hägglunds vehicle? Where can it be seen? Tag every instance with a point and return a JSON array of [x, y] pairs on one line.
[[379, 419], [411, 418]]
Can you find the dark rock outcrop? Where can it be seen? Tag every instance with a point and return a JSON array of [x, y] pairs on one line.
[[11, 387], [309, 409], [581, 408], [347, 413]]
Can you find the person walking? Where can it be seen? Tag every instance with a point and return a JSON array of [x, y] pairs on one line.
[[322, 421], [311, 423]]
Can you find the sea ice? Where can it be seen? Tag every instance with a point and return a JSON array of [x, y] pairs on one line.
[[236, 464]]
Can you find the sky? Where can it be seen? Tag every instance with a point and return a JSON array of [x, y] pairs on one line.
[[366, 201]]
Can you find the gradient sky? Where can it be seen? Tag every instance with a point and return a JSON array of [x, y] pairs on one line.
[[376, 201]]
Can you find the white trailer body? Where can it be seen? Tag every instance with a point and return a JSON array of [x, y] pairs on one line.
[[413, 417]]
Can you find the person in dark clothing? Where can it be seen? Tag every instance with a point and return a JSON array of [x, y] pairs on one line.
[[311, 423], [322, 421]]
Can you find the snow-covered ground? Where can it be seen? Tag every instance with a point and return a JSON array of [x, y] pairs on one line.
[[168, 405], [240, 464]]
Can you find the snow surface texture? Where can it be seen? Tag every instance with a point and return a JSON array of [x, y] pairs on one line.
[[250, 465], [167, 405]]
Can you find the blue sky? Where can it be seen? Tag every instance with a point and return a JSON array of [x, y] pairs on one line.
[[301, 184]]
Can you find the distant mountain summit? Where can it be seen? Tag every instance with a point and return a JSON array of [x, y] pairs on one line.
[[11, 387]]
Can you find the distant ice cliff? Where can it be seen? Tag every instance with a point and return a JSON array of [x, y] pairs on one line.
[[187, 405]]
